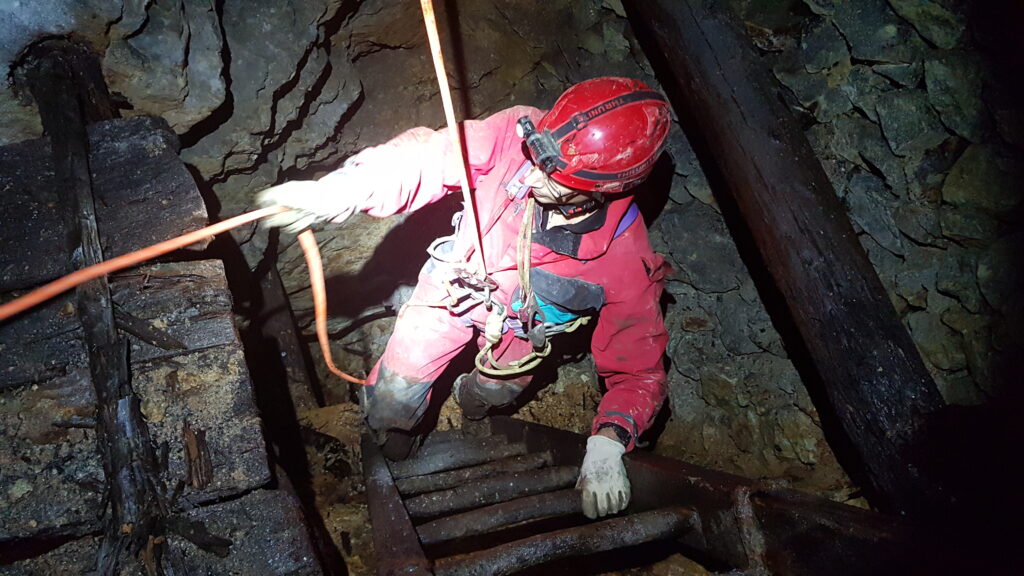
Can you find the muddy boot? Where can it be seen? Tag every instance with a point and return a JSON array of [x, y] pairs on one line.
[[475, 423], [473, 406], [476, 428], [400, 445]]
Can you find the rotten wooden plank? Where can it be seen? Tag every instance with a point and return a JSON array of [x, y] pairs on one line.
[[49, 472], [190, 302], [137, 178], [265, 526], [50, 475], [51, 478], [66, 82]]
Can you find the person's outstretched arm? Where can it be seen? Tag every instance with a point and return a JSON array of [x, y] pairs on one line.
[[414, 169]]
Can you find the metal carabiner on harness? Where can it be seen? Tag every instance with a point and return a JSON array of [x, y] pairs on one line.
[[494, 326], [538, 336], [532, 326], [465, 288]]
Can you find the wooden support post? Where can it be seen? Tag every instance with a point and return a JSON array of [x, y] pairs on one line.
[[879, 389], [68, 87], [389, 519]]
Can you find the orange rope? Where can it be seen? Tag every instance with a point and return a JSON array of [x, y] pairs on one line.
[[453, 130], [78, 277], [316, 282], [83, 275], [306, 238]]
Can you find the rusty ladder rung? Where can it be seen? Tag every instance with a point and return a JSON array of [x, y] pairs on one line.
[[582, 540], [498, 516], [452, 478], [460, 454], [735, 522], [491, 491], [455, 443]]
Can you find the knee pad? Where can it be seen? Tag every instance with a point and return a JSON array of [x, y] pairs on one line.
[[396, 403]]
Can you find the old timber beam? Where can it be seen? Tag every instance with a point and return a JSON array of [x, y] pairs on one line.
[[879, 389], [389, 519], [67, 85], [611, 534]]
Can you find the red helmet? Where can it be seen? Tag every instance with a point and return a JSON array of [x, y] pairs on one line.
[[601, 135]]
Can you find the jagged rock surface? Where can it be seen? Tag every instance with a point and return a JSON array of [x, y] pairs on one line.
[[928, 185], [165, 59]]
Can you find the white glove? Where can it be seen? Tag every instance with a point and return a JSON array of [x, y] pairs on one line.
[[327, 199], [603, 479]]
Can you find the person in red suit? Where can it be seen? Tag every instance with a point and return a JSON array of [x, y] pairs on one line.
[[563, 243]]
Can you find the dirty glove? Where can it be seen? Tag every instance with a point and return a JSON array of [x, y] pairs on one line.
[[603, 479], [311, 201]]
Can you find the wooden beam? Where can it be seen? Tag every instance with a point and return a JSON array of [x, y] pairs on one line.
[[877, 386], [388, 518], [68, 88], [205, 387], [189, 303], [137, 177]]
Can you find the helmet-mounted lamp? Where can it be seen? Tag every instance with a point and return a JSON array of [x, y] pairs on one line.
[[542, 145]]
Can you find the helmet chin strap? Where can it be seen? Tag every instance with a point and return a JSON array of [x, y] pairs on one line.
[[595, 201]]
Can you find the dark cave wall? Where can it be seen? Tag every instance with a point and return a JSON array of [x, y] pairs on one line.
[[906, 114]]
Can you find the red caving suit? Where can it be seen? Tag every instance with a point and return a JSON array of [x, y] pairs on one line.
[[582, 260]]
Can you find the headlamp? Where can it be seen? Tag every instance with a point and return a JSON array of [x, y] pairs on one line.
[[542, 146]]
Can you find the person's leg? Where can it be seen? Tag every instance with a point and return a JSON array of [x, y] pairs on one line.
[[477, 394], [424, 341]]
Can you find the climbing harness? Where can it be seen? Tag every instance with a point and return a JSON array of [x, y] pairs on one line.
[[524, 323], [496, 320], [529, 307]]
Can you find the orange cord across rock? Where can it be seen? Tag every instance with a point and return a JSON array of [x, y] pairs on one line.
[[316, 282], [306, 238], [78, 277]]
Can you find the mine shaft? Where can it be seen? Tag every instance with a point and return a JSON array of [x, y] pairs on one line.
[[612, 287]]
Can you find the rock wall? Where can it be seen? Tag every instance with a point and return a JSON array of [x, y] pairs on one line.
[[904, 110], [909, 116]]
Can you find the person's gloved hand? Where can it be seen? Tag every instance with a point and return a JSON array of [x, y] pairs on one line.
[[311, 201], [603, 479]]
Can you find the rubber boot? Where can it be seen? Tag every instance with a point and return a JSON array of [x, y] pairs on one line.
[[400, 445], [473, 406]]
